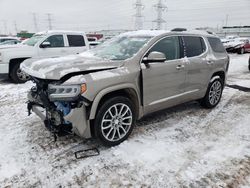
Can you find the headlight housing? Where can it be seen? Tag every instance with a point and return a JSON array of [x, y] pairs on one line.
[[65, 92]]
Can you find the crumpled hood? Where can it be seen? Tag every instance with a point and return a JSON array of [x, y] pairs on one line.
[[56, 68]]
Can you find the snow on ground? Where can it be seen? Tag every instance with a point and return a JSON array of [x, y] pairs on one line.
[[185, 146]]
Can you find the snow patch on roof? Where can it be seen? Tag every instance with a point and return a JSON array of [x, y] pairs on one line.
[[151, 33], [59, 31]]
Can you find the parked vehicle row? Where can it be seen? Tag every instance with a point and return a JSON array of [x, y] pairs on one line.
[[237, 45], [41, 45], [102, 92]]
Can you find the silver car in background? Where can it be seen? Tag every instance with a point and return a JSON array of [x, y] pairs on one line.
[[102, 92]]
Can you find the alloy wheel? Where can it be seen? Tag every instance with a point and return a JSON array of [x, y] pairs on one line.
[[215, 92], [22, 75], [116, 122]]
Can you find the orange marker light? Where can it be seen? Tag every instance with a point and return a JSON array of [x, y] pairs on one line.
[[83, 88]]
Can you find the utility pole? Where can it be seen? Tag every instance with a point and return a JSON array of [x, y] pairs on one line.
[[49, 20], [226, 20], [138, 15], [5, 27], [15, 26], [35, 22], [160, 8]]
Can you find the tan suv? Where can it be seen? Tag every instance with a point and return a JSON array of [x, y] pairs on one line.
[[103, 92]]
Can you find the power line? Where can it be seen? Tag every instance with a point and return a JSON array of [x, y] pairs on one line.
[[160, 8], [35, 22], [15, 26], [49, 20], [5, 27], [138, 16]]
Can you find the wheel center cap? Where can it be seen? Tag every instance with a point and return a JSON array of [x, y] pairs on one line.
[[116, 121]]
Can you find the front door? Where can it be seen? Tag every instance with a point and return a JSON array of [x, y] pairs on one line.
[[164, 82], [55, 47]]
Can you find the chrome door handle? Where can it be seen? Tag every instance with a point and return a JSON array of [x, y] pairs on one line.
[[179, 67], [210, 62]]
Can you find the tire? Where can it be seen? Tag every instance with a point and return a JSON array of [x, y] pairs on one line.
[[213, 94], [17, 76], [241, 51], [249, 63], [110, 130]]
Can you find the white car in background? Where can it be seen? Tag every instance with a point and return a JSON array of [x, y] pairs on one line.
[[10, 42], [93, 41], [41, 45], [4, 39]]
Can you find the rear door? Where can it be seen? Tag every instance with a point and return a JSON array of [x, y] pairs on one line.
[[198, 66], [76, 44], [163, 82]]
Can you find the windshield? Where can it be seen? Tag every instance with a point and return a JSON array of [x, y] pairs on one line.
[[120, 48], [33, 40]]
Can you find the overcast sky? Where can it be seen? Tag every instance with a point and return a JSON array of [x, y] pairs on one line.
[[91, 15]]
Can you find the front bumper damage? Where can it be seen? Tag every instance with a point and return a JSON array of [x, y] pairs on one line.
[[54, 116]]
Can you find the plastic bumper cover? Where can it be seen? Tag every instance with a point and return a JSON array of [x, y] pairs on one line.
[[77, 117], [4, 68]]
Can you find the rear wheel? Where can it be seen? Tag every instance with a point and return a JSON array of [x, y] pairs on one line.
[[241, 51], [249, 63], [213, 94], [115, 121], [17, 75]]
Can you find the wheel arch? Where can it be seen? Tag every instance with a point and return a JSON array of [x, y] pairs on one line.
[[221, 74], [14, 61], [127, 90]]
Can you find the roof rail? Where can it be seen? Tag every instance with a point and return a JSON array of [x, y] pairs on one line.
[[179, 29], [210, 32]]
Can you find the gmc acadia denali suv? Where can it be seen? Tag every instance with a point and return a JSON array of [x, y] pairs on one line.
[[102, 92]]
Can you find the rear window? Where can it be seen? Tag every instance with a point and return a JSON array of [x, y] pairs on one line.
[[76, 40], [216, 45], [194, 46]]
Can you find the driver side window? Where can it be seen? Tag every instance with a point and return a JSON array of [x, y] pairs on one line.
[[169, 46], [56, 41]]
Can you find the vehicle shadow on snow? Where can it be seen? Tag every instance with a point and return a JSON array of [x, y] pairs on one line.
[[43, 140], [155, 121]]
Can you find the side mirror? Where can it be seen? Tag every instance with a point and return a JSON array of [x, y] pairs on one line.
[[45, 44], [155, 57]]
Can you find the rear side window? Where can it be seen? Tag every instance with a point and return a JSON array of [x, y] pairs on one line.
[[216, 45], [194, 46], [76, 40]]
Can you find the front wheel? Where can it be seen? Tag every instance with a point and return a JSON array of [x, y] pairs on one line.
[[213, 94], [115, 121], [17, 75]]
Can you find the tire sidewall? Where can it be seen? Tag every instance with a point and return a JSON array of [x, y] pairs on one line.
[[206, 101], [241, 51], [102, 110], [13, 74]]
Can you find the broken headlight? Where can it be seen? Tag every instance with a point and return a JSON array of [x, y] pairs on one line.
[[65, 92]]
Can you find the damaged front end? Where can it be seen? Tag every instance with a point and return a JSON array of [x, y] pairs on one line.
[[61, 107]]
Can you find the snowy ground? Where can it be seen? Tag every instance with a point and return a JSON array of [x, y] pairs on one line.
[[185, 146]]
